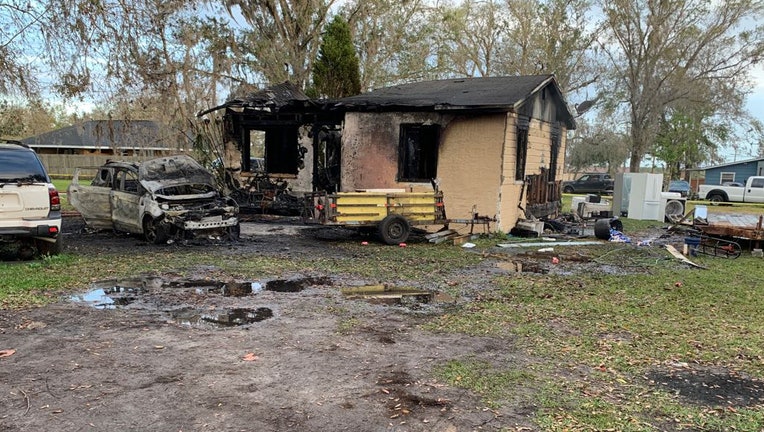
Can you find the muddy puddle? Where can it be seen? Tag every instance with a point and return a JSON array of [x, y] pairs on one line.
[[522, 267], [227, 318], [392, 295], [109, 293], [171, 297], [160, 294]]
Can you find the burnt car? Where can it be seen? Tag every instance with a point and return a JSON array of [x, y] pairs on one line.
[[167, 198]]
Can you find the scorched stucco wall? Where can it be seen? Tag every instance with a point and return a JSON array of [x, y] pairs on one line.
[[469, 157], [469, 165]]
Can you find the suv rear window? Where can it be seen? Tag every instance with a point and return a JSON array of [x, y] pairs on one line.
[[16, 165]]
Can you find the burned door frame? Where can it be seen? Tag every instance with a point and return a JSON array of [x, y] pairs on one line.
[[544, 191], [125, 201], [327, 157]]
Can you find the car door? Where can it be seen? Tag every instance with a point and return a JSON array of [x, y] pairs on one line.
[[125, 201], [755, 192], [601, 183], [592, 184], [93, 201]]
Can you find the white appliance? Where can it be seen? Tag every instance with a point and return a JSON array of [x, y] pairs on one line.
[[638, 196], [672, 205]]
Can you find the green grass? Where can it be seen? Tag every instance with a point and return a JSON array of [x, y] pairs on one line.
[[491, 382], [619, 327], [61, 186]]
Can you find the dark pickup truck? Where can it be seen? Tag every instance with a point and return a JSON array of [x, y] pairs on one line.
[[589, 183]]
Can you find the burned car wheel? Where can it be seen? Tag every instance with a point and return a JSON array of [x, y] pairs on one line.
[[155, 230], [234, 232]]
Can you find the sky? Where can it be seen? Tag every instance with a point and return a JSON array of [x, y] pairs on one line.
[[755, 101], [754, 105]]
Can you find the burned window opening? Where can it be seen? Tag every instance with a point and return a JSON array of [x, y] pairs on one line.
[[104, 178], [282, 153], [418, 152], [554, 152], [522, 147]]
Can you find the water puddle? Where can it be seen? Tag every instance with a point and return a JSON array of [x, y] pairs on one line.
[[295, 285], [111, 293], [522, 267], [108, 296], [227, 318], [388, 295], [154, 293]]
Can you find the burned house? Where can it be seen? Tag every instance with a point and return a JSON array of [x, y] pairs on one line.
[[493, 145]]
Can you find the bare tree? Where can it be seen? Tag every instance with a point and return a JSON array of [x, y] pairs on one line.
[[393, 40], [555, 36], [596, 144], [678, 53], [473, 35], [519, 37], [284, 37], [22, 23]]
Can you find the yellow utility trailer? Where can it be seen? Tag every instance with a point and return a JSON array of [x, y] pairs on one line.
[[391, 213]]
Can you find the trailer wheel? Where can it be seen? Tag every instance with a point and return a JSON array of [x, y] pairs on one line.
[[394, 229]]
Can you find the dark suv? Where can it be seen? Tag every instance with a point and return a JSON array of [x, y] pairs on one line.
[[590, 183], [30, 208]]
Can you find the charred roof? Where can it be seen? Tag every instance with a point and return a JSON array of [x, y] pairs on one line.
[[507, 94], [271, 99], [525, 95], [275, 95]]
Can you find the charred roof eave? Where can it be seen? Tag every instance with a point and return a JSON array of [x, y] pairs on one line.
[[421, 108]]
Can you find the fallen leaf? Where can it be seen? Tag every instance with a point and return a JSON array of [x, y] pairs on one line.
[[7, 353], [250, 357]]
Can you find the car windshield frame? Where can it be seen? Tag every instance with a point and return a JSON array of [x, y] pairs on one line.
[[174, 170]]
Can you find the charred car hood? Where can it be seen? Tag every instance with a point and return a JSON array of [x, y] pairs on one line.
[[171, 171]]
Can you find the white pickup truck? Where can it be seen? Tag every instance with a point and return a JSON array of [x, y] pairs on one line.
[[751, 192]]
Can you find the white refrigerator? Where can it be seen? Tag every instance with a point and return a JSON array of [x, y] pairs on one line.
[[638, 196]]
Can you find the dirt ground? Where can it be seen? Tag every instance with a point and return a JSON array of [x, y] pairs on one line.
[[159, 354]]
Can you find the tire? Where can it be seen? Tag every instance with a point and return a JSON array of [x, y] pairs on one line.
[[155, 231], [568, 190], [394, 229], [50, 248], [602, 228], [716, 198], [234, 232]]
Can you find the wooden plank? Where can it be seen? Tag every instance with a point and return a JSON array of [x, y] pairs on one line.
[[672, 250], [439, 234]]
